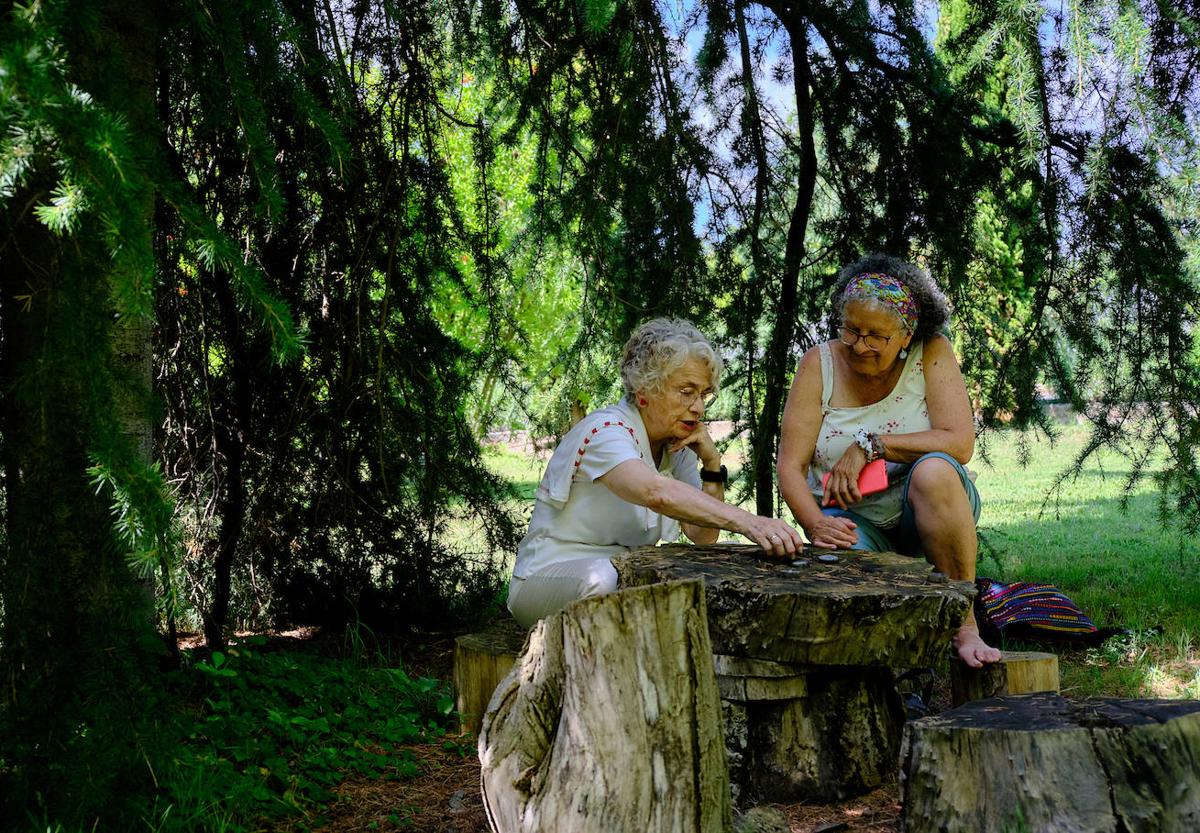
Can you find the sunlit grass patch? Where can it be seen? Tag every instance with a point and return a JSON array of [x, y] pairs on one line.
[[1144, 664]]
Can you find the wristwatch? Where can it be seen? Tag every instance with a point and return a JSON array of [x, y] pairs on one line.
[[719, 476], [870, 443]]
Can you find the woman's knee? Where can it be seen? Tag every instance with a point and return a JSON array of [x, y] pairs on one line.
[[933, 477], [598, 579]]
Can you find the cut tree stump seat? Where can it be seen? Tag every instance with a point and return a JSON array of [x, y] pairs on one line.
[[609, 722], [1041, 763], [481, 661], [1017, 672]]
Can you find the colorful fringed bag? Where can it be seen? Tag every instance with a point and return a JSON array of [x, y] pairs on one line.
[[1036, 613]]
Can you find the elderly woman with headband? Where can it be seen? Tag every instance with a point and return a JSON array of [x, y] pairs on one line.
[[888, 387], [633, 474]]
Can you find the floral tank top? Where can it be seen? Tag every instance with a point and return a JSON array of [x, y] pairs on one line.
[[902, 411]]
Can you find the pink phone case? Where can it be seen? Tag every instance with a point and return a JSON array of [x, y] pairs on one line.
[[872, 479]]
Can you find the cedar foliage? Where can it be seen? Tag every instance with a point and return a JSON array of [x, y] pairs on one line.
[[323, 488]]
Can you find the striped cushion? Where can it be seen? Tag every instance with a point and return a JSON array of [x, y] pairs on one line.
[[1029, 609]]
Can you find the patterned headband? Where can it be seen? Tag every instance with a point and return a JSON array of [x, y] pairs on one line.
[[877, 286]]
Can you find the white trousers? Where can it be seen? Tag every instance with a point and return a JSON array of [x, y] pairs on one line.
[[554, 587]]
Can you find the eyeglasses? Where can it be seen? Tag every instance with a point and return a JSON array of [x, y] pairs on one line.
[[851, 336], [689, 394]]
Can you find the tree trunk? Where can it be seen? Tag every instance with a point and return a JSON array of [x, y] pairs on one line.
[[1039, 762], [809, 733], [77, 641], [610, 721], [230, 443], [784, 327]]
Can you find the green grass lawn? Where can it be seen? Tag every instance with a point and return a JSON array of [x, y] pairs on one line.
[[1108, 552]]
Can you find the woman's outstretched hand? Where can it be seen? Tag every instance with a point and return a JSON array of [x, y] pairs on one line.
[[834, 533], [776, 537]]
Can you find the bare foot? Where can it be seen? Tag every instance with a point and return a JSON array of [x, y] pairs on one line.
[[971, 647]]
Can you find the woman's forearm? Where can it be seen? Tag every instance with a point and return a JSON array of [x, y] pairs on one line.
[[906, 448], [692, 506], [793, 485], [697, 533]]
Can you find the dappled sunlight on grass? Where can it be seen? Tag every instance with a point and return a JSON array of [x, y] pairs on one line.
[[1105, 549], [1144, 664]]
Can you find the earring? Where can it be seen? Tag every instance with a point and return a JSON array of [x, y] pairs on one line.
[[642, 403], [904, 352]]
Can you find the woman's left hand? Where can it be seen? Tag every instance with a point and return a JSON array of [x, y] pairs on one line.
[[702, 443], [842, 489]]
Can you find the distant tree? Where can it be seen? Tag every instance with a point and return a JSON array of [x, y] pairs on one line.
[[323, 490], [617, 157]]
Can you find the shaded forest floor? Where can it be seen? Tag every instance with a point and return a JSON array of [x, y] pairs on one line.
[[445, 796], [441, 793]]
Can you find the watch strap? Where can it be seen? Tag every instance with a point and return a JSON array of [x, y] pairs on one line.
[[719, 476]]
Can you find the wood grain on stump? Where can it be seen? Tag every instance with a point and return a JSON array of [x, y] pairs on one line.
[[1038, 762], [1017, 672], [878, 609], [610, 721], [481, 661]]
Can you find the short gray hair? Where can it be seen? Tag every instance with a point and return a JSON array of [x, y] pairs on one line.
[[658, 348], [934, 308]]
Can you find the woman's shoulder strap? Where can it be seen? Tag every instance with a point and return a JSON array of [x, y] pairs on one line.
[[826, 375]]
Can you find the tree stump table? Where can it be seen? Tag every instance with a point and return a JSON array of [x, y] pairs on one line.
[[803, 657], [1039, 762]]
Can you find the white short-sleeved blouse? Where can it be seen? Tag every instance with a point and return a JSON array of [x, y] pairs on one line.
[[576, 517]]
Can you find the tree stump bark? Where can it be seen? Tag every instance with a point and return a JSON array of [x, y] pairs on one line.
[[868, 608], [610, 721], [1017, 672], [1038, 762], [821, 734], [481, 661]]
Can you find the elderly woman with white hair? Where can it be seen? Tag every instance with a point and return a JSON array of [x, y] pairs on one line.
[[632, 475], [887, 389]]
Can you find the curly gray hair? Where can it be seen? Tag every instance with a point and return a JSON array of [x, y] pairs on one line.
[[658, 348], [931, 301]]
